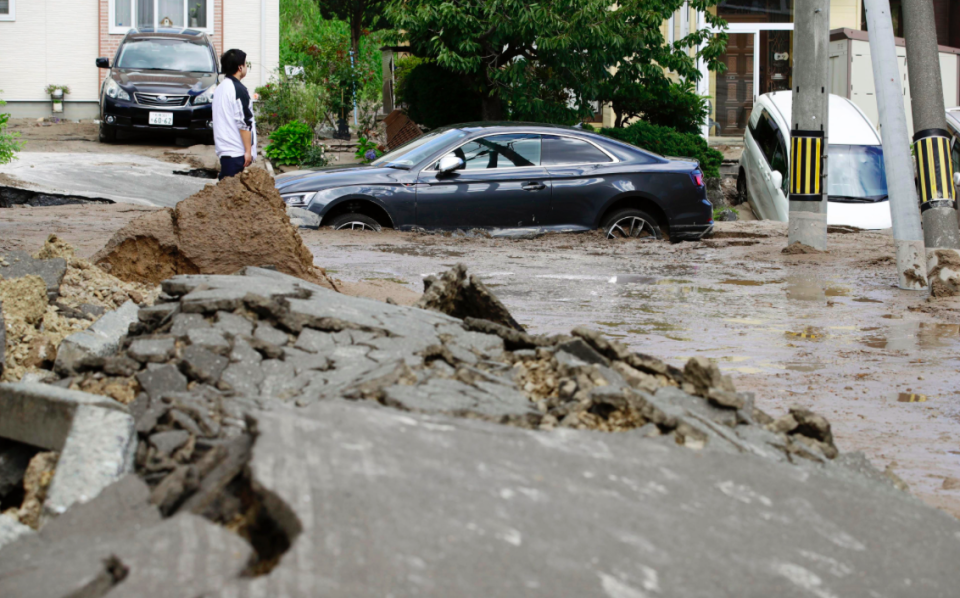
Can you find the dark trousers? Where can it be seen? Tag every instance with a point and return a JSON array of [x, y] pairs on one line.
[[230, 166]]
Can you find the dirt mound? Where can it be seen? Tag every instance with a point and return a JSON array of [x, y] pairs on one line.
[[35, 325], [800, 248], [242, 221], [944, 270]]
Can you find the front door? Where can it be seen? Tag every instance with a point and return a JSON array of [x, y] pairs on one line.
[[502, 185], [735, 86]]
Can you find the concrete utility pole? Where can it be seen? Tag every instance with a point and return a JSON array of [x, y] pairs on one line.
[[808, 151], [907, 234], [932, 147]]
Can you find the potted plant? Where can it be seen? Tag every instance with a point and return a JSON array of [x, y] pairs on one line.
[[195, 15], [57, 93]]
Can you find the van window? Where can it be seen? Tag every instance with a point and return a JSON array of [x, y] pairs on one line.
[[766, 135]]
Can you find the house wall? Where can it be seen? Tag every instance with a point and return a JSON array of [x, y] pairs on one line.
[[57, 41], [851, 74], [242, 30], [50, 42]]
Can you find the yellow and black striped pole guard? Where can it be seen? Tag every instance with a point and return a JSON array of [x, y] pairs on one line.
[[934, 169], [806, 162]]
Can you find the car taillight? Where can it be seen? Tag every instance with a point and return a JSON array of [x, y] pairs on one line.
[[697, 177]]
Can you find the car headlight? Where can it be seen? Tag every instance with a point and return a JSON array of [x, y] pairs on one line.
[[206, 97], [298, 200], [114, 90]]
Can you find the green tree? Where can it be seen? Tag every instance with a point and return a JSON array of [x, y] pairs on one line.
[[550, 59], [362, 15], [9, 144]]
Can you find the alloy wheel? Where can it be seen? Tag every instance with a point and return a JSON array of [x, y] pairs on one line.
[[632, 227], [355, 225]]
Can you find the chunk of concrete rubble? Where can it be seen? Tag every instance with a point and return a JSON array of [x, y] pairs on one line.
[[16, 264], [480, 521], [118, 544], [303, 218], [94, 435], [456, 294], [101, 339]]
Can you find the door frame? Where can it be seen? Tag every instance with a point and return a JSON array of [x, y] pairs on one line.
[[755, 29]]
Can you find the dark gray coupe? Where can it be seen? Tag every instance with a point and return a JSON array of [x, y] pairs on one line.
[[507, 176]]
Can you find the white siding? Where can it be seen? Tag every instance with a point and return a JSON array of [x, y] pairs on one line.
[[242, 30], [51, 42]]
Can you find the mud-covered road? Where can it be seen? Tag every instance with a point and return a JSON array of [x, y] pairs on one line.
[[829, 332]]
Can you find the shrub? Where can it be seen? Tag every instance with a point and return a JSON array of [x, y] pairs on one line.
[[669, 142], [289, 143], [674, 105], [9, 146], [315, 157], [436, 97], [284, 100], [368, 150]]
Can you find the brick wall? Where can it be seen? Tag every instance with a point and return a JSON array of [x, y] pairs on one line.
[[109, 43]]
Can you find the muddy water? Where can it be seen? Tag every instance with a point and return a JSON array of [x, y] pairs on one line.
[[831, 334]]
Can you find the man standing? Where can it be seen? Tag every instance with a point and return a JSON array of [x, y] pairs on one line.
[[234, 130]]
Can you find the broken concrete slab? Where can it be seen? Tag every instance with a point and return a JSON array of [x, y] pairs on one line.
[[42, 415], [94, 434], [303, 218], [162, 380], [152, 350], [11, 530], [16, 264], [80, 554], [101, 339], [98, 452], [464, 296], [639, 517]]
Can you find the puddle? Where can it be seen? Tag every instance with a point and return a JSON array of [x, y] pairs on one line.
[[866, 300], [388, 279], [749, 283], [910, 335], [633, 279], [803, 367], [838, 292], [907, 397]]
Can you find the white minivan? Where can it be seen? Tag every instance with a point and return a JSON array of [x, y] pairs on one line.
[[856, 183]]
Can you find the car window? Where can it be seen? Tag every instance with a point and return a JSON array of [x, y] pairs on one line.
[[419, 149], [515, 150], [165, 55], [567, 150], [955, 154]]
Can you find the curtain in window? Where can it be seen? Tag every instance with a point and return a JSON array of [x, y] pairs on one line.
[[144, 13], [123, 13], [170, 13]]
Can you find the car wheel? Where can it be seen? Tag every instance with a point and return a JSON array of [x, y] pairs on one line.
[[355, 222], [741, 188], [107, 134], [632, 224]]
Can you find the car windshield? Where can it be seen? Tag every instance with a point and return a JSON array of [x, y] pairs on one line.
[[419, 149], [166, 55], [856, 172]]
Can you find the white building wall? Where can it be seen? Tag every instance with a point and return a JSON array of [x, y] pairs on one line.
[[242, 29], [861, 89], [50, 42]]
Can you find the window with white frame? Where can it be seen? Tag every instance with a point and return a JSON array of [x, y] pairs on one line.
[[8, 10], [189, 14]]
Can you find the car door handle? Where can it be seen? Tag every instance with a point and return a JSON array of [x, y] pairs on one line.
[[534, 186]]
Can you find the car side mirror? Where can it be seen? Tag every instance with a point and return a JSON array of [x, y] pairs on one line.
[[103, 63], [776, 178], [449, 163], [956, 179]]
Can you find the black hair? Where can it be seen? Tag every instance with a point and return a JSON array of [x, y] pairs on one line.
[[232, 60]]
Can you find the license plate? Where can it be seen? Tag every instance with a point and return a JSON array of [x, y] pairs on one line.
[[161, 118]]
